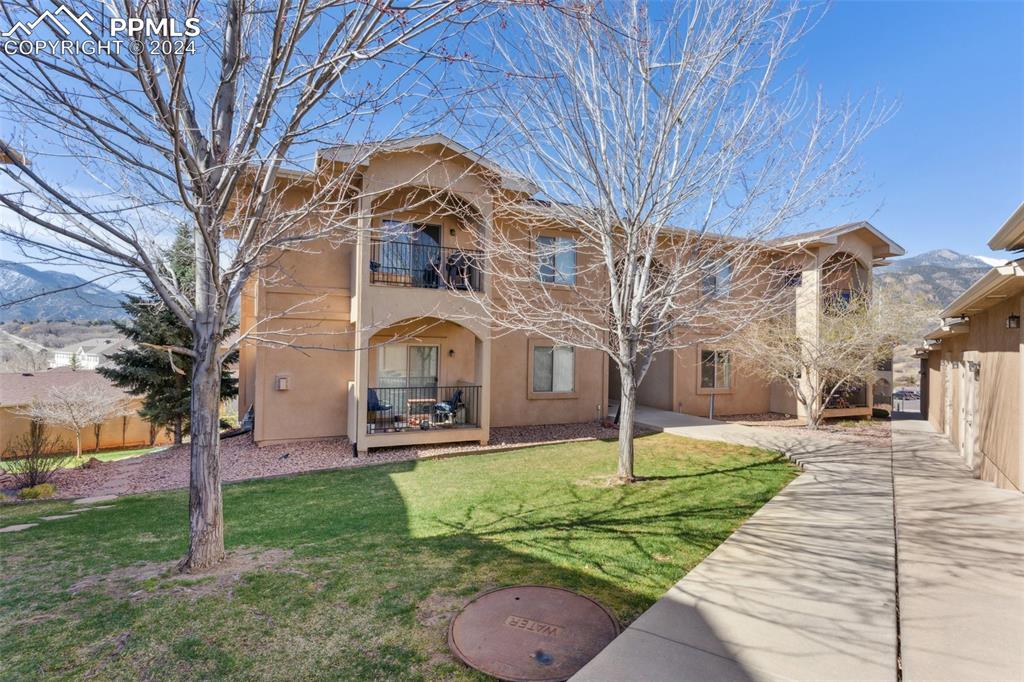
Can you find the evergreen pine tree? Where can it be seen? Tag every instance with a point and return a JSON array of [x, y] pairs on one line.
[[148, 372]]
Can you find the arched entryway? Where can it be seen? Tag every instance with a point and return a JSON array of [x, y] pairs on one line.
[[426, 382]]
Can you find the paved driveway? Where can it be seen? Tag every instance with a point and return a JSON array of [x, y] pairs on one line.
[[806, 588]]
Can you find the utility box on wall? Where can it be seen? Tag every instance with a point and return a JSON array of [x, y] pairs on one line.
[[281, 382]]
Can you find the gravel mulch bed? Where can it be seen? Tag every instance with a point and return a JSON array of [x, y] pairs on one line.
[[873, 432], [241, 459]]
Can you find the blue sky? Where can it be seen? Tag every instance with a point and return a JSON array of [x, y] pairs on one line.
[[948, 169]]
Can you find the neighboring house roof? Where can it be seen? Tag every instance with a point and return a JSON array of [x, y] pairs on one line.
[[100, 346], [347, 153], [19, 388], [1011, 235], [994, 286], [883, 246]]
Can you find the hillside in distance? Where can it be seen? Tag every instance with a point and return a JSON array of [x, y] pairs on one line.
[[940, 275], [27, 293]]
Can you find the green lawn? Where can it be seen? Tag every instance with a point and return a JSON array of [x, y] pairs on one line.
[[102, 455], [354, 574]]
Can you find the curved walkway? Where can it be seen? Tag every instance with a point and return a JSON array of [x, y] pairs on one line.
[[806, 588]]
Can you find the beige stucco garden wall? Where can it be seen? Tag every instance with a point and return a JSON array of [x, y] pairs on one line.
[[133, 431]]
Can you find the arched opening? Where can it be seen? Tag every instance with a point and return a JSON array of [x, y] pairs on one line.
[[427, 239], [844, 281], [425, 374]]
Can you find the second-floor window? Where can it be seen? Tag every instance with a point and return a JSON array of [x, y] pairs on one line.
[[556, 260], [715, 369], [717, 281]]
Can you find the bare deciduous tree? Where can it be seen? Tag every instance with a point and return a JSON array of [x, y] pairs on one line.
[[669, 146], [120, 148], [76, 408], [857, 330]]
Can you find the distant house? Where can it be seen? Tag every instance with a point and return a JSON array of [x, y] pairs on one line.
[[19, 389], [972, 377], [87, 354]]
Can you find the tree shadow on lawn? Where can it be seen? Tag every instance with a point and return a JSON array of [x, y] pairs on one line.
[[379, 561]]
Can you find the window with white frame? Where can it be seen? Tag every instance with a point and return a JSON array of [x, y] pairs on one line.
[[715, 369], [554, 369], [718, 279], [556, 260]]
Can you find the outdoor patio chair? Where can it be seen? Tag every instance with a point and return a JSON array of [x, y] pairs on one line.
[[444, 411], [373, 403]]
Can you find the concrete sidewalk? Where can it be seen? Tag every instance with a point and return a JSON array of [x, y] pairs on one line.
[[961, 564], [804, 590]]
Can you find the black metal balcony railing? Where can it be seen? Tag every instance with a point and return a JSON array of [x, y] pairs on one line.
[[408, 408], [424, 266]]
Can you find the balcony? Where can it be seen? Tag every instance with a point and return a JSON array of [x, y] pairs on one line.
[[424, 266], [422, 408]]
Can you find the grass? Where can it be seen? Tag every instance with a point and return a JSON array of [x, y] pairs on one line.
[[354, 574], [102, 455]]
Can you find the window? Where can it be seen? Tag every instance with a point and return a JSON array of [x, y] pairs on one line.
[[554, 369], [556, 260], [718, 280], [409, 250], [715, 369]]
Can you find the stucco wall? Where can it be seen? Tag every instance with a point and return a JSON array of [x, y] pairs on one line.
[[511, 402], [657, 388], [747, 394], [114, 433]]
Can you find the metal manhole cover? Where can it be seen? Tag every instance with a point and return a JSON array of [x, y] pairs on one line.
[[531, 633]]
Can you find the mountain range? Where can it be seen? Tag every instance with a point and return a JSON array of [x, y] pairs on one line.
[[940, 275], [24, 296]]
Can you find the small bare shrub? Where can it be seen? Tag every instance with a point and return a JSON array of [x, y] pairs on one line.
[[32, 459]]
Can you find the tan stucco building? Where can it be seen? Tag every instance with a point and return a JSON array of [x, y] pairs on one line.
[[384, 341], [972, 377]]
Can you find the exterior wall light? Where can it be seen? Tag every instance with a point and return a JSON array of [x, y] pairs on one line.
[[1013, 322]]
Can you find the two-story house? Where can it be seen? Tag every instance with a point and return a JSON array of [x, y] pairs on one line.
[[369, 338]]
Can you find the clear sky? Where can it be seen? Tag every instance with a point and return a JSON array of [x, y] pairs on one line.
[[948, 169]]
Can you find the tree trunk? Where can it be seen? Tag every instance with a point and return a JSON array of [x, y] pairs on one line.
[[205, 505], [627, 411], [177, 431], [78, 445], [96, 432]]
